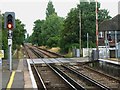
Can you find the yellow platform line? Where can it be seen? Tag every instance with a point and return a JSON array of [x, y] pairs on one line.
[[11, 80]]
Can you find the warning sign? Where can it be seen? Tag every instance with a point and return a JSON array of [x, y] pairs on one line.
[[1, 53]]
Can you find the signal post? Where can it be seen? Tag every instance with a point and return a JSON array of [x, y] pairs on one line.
[[9, 24]]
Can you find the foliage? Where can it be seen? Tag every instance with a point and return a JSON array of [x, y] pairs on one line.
[[3, 36], [47, 32], [103, 15], [51, 30], [50, 9], [18, 36], [70, 33], [36, 36]]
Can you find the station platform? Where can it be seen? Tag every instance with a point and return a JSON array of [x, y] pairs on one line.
[[116, 62], [18, 78]]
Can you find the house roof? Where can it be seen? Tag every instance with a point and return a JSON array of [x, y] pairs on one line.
[[111, 25]]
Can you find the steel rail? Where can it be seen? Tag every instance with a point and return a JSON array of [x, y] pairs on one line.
[[42, 83], [69, 79], [103, 87], [103, 74], [50, 52], [73, 84], [58, 73]]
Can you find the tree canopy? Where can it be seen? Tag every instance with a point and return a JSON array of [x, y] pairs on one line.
[[50, 9], [37, 29], [51, 30]]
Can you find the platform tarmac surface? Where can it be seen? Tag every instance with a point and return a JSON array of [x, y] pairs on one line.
[[16, 78]]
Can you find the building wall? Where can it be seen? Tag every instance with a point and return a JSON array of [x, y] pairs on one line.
[[112, 35]]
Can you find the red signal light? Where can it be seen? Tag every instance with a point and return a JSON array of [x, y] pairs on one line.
[[9, 26]]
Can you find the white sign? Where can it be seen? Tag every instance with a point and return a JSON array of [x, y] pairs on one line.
[[1, 53], [9, 41]]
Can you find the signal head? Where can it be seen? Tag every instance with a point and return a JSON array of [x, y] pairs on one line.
[[9, 20]]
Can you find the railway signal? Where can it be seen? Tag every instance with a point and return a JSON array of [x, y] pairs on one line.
[[9, 23]]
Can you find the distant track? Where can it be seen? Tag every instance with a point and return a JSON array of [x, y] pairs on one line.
[[43, 82]]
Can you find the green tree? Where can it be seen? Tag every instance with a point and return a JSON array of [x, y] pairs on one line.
[[3, 36], [103, 15], [18, 34], [47, 32], [36, 36], [51, 30], [70, 33], [50, 9]]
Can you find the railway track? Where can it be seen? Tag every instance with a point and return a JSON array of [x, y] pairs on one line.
[[45, 53], [84, 82], [88, 84], [104, 80], [37, 76], [107, 80], [50, 53], [105, 67], [54, 81], [76, 77]]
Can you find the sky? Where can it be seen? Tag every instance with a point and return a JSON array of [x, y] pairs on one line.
[[30, 10]]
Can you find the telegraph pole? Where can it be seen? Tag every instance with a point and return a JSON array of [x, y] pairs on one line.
[[80, 31], [116, 54], [97, 49], [96, 26]]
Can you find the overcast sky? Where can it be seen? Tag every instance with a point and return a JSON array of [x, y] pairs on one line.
[[30, 10]]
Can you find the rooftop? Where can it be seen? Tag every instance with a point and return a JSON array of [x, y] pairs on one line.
[[111, 25]]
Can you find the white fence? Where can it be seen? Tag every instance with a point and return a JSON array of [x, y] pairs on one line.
[[103, 52]]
